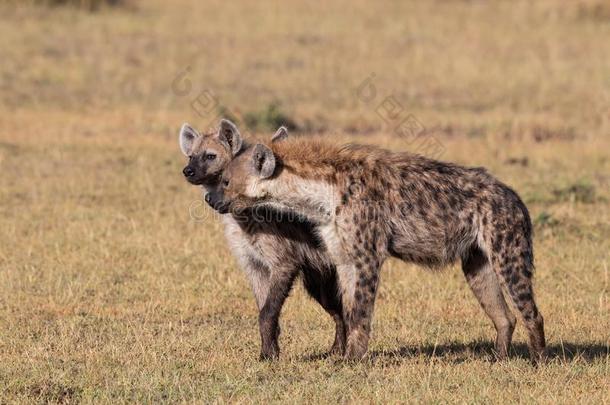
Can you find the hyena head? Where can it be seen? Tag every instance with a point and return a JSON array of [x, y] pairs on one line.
[[244, 183], [209, 154]]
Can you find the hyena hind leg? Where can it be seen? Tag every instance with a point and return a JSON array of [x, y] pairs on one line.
[[322, 287], [338, 347], [485, 285], [517, 278]]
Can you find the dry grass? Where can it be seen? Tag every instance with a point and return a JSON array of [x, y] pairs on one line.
[[111, 292]]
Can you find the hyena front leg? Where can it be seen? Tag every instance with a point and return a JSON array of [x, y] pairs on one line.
[[485, 285], [359, 286], [280, 283], [260, 279], [258, 276], [357, 247]]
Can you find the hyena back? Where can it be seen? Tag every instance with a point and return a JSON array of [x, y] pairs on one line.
[[272, 247], [371, 203]]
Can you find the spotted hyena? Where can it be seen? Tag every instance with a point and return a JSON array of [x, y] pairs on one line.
[[369, 203], [272, 247]]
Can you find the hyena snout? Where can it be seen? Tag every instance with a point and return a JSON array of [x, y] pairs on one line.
[[188, 172], [215, 200]]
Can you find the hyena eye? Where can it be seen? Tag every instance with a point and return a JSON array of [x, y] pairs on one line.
[[225, 182], [210, 156]]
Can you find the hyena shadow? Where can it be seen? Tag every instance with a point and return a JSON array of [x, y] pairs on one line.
[[462, 352]]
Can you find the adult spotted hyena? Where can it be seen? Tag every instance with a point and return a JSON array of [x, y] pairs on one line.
[[371, 203], [272, 247]]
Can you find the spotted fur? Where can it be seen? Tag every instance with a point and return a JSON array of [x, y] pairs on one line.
[[369, 204]]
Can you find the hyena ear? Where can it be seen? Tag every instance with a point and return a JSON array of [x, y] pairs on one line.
[[280, 134], [187, 136], [229, 135], [263, 161]]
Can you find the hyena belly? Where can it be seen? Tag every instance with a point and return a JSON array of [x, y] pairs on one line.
[[437, 215], [442, 213]]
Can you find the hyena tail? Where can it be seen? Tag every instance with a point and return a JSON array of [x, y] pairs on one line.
[[511, 252]]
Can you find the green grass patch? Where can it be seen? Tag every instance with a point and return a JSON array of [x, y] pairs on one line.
[[270, 118], [90, 5], [581, 191]]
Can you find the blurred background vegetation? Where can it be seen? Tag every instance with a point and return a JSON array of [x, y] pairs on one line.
[[512, 68]]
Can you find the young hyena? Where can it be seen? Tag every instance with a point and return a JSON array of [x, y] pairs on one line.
[[272, 247], [369, 203]]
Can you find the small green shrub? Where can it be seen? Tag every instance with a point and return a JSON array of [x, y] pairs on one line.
[[578, 192], [598, 11], [91, 5], [269, 119], [545, 220], [224, 112]]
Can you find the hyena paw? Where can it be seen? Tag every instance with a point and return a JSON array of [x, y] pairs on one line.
[[498, 356], [500, 352], [539, 358], [337, 349], [269, 354], [355, 351]]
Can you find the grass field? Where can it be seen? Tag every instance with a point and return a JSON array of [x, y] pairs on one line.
[[117, 286]]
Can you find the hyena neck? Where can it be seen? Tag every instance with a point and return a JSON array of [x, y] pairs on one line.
[[316, 175], [314, 199], [208, 188]]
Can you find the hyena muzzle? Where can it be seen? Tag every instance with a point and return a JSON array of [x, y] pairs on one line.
[[272, 247], [370, 203]]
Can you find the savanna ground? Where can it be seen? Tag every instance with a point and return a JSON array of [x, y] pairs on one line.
[[116, 286]]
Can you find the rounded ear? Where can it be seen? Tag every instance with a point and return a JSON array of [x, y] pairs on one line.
[[263, 161], [280, 134], [230, 136], [187, 137]]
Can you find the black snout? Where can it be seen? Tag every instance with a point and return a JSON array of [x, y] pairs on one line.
[[215, 201], [188, 172]]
